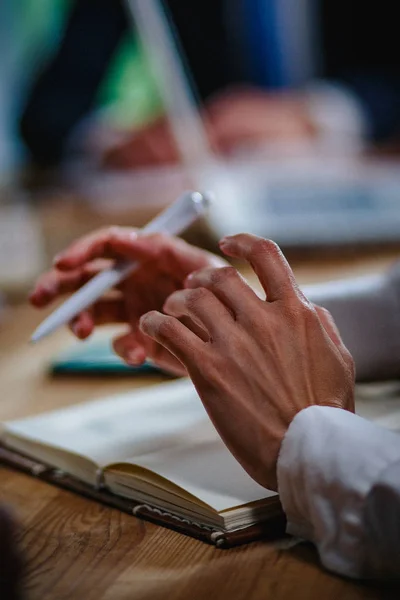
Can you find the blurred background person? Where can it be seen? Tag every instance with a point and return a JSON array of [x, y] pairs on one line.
[[264, 70]]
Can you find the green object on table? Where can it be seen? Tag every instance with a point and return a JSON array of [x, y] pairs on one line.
[[95, 358]]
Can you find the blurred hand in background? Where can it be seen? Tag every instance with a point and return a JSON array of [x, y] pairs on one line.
[[241, 118], [305, 78]]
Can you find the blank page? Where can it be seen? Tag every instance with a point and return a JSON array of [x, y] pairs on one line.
[[164, 428], [115, 427]]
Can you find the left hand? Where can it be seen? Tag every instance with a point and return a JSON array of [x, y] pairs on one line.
[[263, 361], [165, 262]]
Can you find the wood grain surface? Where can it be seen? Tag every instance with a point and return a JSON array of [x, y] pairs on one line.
[[75, 548]]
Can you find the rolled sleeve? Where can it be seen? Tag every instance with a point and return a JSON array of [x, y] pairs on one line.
[[329, 464]]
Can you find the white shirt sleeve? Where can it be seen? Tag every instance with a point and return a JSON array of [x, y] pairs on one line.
[[339, 484]]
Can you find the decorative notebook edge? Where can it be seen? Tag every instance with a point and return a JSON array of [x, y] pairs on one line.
[[271, 528]]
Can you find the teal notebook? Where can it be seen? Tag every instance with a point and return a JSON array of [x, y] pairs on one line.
[[95, 358]]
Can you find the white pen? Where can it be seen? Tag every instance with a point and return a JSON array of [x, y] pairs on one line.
[[175, 219]]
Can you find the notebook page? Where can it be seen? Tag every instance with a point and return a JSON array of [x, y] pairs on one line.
[[200, 463], [110, 429], [164, 428]]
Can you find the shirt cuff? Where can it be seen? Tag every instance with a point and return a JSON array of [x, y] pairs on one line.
[[328, 463]]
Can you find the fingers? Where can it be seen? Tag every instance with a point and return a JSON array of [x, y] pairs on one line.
[[172, 254], [104, 243], [134, 348], [129, 349], [201, 306], [174, 336], [54, 283], [329, 325], [195, 327], [268, 262], [103, 312], [82, 325], [228, 286]]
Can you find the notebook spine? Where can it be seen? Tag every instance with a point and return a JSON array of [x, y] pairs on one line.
[[217, 537], [180, 524], [145, 512]]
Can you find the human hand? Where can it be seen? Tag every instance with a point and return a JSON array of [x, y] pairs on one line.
[[263, 360], [233, 118], [251, 117], [151, 145], [164, 264]]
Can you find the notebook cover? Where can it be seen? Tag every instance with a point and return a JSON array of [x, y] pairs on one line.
[[95, 358], [270, 529]]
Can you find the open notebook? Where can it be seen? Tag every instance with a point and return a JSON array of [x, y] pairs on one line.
[[155, 447]]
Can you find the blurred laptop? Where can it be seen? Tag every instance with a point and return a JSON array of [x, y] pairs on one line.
[[300, 202], [314, 201]]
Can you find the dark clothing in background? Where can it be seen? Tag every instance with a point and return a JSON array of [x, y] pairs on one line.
[[66, 89], [358, 46]]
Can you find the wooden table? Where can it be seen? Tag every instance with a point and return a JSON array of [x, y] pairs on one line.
[[76, 548]]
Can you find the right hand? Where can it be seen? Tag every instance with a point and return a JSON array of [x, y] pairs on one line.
[[263, 359], [165, 263]]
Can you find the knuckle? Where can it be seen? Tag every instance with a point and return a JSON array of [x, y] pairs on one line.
[[221, 275], [349, 360], [195, 296], [167, 327], [324, 312], [261, 246], [305, 308], [309, 315], [300, 313]]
